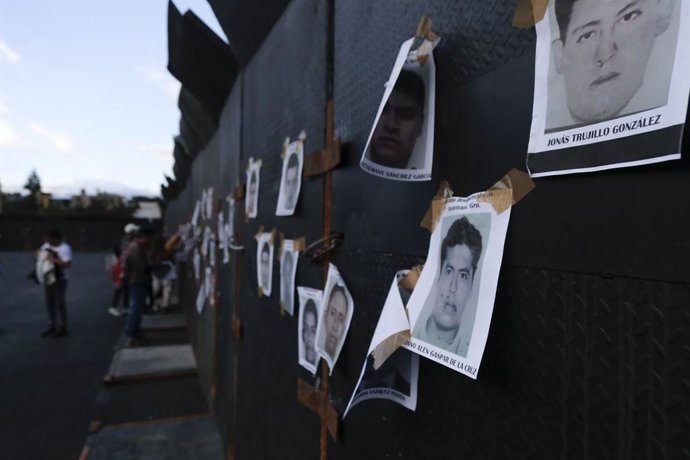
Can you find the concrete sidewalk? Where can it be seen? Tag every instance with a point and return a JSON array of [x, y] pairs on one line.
[[52, 388]]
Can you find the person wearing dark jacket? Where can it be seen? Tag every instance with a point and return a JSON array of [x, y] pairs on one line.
[[137, 270]]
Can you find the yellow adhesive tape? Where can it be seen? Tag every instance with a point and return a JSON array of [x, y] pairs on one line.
[[424, 27], [322, 161], [518, 181], [299, 244], [438, 201], [410, 280], [500, 200], [259, 232], [386, 348], [528, 13]]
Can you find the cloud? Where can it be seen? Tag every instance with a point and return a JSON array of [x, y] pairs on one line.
[[7, 53], [162, 80], [161, 150], [9, 138], [4, 109], [60, 140]]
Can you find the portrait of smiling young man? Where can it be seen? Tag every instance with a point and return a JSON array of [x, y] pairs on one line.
[[601, 51]]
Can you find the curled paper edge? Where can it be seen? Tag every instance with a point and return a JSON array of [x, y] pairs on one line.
[[387, 347]]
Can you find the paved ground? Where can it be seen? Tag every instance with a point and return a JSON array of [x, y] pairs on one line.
[[51, 389], [49, 385]]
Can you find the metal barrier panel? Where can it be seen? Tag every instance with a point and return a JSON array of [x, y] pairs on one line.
[[227, 344], [284, 93], [588, 350]]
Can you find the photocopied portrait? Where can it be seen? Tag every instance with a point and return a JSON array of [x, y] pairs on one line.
[[264, 263], [200, 299], [400, 144], [195, 214], [203, 207], [196, 262], [337, 307], [444, 311], [309, 304], [230, 234], [288, 270], [208, 203], [608, 69], [253, 181], [450, 309], [210, 286], [396, 377], [395, 380], [291, 178]]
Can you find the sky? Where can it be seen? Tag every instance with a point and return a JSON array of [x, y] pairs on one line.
[[86, 99]]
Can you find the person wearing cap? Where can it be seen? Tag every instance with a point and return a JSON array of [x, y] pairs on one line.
[[121, 289]]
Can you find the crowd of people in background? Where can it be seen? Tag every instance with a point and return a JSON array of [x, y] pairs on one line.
[[144, 275], [143, 270]]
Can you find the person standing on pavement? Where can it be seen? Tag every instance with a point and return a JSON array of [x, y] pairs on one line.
[[121, 289], [137, 271], [59, 254]]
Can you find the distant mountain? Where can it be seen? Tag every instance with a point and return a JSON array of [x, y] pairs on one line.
[[92, 186]]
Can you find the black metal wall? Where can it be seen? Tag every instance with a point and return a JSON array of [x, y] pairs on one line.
[[589, 350], [82, 233]]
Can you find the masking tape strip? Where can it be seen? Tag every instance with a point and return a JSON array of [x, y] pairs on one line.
[[410, 280], [238, 192], [259, 232], [500, 200], [436, 207], [386, 348], [425, 41], [528, 13], [517, 180], [307, 396], [317, 402], [272, 238], [424, 27], [283, 150], [299, 244], [321, 162], [260, 291]]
